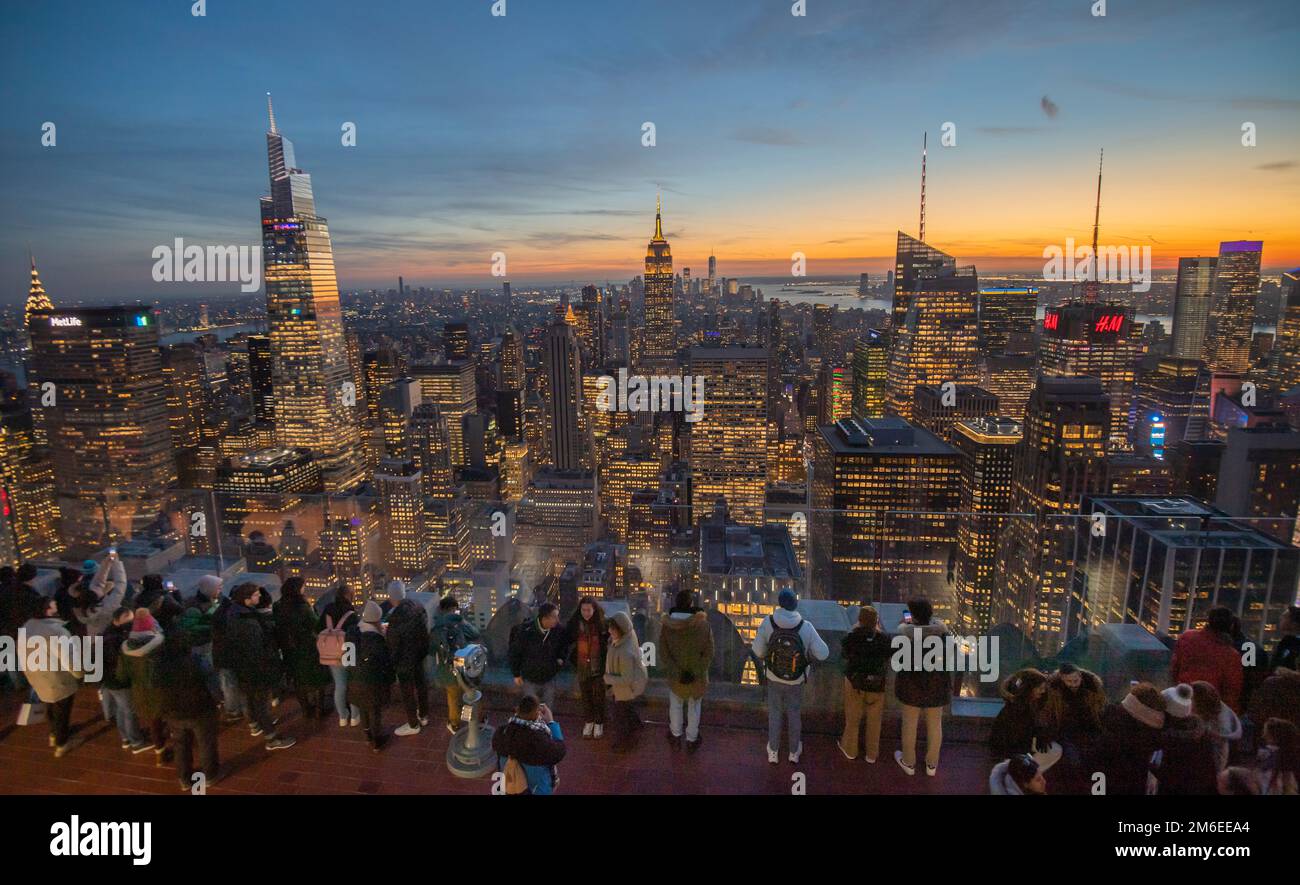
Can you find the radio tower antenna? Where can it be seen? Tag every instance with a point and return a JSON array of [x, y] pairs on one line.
[[924, 139], [1091, 287]]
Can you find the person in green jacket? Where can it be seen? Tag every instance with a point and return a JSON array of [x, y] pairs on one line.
[[138, 669], [449, 632], [685, 653], [626, 676]]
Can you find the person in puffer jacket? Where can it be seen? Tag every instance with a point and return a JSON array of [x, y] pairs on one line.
[[785, 690], [138, 669], [626, 676], [408, 642], [1018, 776], [1208, 655]]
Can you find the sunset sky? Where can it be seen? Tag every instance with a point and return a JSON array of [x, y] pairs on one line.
[[522, 134]]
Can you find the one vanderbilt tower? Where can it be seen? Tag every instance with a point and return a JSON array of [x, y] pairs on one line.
[[315, 397]]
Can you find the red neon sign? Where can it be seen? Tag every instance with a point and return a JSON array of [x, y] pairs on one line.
[[1050, 320], [1109, 323]]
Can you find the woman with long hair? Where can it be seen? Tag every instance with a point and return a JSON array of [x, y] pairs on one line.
[[589, 642]]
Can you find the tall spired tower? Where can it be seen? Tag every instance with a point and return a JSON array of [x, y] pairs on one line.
[[36, 297], [315, 395], [660, 348]]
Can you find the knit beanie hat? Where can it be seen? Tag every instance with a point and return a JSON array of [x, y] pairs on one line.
[[372, 613], [209, 586], [1178, 700], [89, 567], [1145, 705], [144, 622], [396, 591], [787, 600]]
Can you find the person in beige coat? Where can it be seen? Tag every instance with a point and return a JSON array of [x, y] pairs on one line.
[[56, 680], [626, 676]]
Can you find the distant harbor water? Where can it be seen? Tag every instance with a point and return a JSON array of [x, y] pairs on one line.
[[223, 333]]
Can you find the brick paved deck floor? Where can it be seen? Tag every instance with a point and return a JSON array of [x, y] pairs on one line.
[[333, 760]]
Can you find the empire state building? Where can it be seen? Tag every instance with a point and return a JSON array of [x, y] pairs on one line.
[[315, 396], [660, 350]]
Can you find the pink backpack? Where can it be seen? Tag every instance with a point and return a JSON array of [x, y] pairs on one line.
[[330, 641]]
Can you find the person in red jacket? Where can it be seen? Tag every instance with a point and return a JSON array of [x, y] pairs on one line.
[[1208, 655]]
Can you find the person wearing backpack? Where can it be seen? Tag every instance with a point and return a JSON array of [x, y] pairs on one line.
[[532, 745], [921, 692], [686, 652], [337, 626], [866, 666], [626, 676], [408, 642], [450, 632], [371, 679], [786, 643]]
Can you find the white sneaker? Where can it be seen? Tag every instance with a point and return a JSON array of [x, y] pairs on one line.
[[794, 757], [405, 730], [598, 731], [588, 728], [844, 751], [909, 770], [354, 721], [343, 722], [773, 756], [424, 720], [931, 770]]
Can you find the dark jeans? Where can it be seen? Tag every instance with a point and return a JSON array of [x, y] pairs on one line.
[[188, 732], [59, 714], [591, 691], [415, 696], [625, 722], [257, 701], [372, 722]]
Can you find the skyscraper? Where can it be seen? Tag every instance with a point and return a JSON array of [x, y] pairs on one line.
[[913, 258], [315, 395], [1285, 368], [36, 297], [1089, 339], [1061, 458], [659, 350], [870, 359], [1192, 307], [883, 527], [988, 449], [729, 442], [1006, 311], [938, 341], [1232, 313], [107, 423], [563, 397]]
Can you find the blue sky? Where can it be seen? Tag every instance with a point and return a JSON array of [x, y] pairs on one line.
[[522, 134]]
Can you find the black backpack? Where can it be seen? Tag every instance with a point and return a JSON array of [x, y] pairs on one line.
[[786, 657], [447, 639]]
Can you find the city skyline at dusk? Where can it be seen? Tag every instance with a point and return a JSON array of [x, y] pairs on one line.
[[500, 142]]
